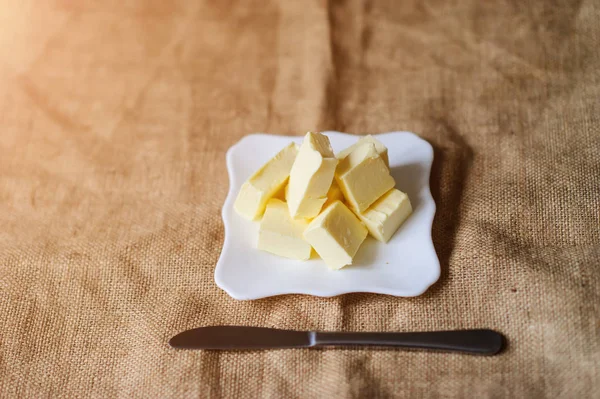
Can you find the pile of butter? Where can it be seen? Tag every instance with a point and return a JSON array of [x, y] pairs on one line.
[[309, 198]]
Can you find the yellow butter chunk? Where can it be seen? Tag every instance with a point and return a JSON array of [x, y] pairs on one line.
[[282, 235], [379, 147], [334, 194], [311, 176], [281, 193], [363, 177], [336, 234], [386, 215], [265, 183]]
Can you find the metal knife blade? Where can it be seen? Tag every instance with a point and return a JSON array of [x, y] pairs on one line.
[[239, 337]]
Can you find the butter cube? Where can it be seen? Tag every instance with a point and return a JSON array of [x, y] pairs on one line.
[[386, 215], [363, 177], [265, 183], [336, 234], [379, 147], [311, 176], [334, 194], [280, 234], [281, 194]]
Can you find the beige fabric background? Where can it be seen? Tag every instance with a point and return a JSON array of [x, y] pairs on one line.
[[115, 119]]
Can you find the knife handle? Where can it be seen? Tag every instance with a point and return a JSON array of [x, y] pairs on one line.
[[483, 342]]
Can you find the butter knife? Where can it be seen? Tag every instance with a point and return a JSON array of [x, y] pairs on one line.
[[483, 342]]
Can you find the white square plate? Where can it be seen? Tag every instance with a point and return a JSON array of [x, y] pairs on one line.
[[406, 266]]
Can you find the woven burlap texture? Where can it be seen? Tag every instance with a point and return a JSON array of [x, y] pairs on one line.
[[116, 117]]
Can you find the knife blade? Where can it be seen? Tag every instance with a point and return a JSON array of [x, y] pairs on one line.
[[239, 337], [482, 341]]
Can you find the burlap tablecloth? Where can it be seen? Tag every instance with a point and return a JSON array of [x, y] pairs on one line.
[[115, 119]]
